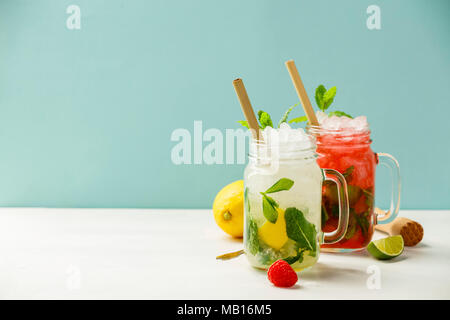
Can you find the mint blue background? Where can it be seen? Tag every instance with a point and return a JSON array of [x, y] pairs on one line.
[[86, 115]]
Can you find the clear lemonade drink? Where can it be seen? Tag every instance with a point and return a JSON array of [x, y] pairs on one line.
[[283, 194]]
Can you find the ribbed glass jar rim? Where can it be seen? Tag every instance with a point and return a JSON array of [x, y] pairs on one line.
[[347, 137], [260, 149], [318, 130]]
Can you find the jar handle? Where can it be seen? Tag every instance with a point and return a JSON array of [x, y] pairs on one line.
[[339, 233], [392, 163]]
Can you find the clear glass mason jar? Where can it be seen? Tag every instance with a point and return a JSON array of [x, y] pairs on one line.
[[348, 151], [282, 205]]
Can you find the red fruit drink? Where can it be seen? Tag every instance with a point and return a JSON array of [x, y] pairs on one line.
[[347, 150]]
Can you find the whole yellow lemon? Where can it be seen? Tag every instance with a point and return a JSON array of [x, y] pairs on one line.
[[228, 209]]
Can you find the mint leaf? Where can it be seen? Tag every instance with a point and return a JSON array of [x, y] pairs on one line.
[[244, 123], [299, 119], [328, 97], [247, 200], [300, 230], [294, 259], [351, 230], [348, 172], [363, 224], [339, 114], [264, 119], [320, 91], [272, 201], [280, 185], [286, 115], [368, 192], [369, 197], [252, 236], [354, 193], [270, 205], [270, 208]]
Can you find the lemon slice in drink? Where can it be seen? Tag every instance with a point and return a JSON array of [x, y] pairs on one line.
[[386, 248], [274, 234]]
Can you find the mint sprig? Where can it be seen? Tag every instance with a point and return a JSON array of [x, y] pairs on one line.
[[265, 119], [286, 115], [324, 99]]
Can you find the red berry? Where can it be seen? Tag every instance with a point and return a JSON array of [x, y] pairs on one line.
[[281, 274]]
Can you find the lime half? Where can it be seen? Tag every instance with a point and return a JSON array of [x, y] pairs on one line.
[[386, 248]]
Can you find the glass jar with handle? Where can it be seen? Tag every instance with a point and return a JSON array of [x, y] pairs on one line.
[[348, 151], [282, 203]]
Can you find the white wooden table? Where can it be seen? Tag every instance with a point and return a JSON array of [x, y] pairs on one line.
[[170, 254]]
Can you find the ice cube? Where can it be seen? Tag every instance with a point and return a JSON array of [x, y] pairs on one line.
[[321, 116], [340, 123], [360, 123], [285, 126], [284, 133]]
